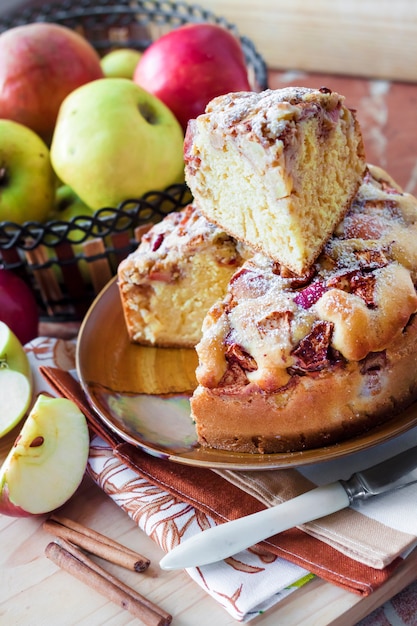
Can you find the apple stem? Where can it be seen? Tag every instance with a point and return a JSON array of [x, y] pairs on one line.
[[148, 112], [3, 176]]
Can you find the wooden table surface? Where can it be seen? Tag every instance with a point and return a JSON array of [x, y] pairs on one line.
[[34, 592]]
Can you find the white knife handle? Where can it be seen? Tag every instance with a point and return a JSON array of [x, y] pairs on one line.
[[221, 541]]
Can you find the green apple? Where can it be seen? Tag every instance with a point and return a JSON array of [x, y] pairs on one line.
[[70, 207], [114, 141], [12, 353], [27, 179], [47, 461], [15, 380], [120, 63]]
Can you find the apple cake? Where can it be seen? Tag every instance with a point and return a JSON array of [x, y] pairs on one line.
[[289, 362], [180, 268], [277, 169]]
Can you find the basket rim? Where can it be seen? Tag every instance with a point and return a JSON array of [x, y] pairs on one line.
[[103, 222]]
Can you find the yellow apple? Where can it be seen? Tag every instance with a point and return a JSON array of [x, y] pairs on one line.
[[114, 141], [27, 179], [120, 63], [69, 207]]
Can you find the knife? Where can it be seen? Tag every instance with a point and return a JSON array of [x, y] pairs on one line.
[[222, 541]]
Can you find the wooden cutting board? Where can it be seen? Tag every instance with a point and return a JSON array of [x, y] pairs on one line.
[[376, 39]]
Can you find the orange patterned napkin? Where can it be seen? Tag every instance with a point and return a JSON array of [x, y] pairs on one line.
[[214, 497]]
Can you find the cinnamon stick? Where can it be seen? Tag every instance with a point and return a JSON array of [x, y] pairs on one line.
[[73, 561], [96, 543]]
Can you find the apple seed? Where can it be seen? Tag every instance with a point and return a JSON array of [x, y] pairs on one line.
[[38, 441]]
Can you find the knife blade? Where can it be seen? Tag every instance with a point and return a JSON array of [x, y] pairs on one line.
[[222, 541]]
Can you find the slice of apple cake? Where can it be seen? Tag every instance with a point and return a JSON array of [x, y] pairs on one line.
[[277, 169], [181, 267]]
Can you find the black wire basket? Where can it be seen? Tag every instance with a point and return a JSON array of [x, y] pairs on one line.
[[68, 263]]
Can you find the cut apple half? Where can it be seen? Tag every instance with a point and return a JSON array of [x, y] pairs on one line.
[[47, 461], [12, 353], [15, 397], [15, 380]]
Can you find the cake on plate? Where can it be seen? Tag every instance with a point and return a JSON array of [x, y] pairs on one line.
[[289, 362], [277, 170], [180, 268]]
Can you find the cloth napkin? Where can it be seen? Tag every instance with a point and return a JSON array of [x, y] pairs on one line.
[[357, 548], [246, 585]]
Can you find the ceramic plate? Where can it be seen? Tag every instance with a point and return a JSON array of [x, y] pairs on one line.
[[142, 394]]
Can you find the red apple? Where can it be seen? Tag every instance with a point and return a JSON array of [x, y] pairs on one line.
[[189, 66], [18, 308], [40, 64]]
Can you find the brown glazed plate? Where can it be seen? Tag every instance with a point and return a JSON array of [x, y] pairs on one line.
[[142, 395]]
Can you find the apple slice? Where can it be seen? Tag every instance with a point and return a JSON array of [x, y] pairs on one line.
[[12, 354], [15, 380], [47, 461], [15, 397]]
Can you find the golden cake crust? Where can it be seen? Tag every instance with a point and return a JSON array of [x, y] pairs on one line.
[[277, 169], [289, 362]]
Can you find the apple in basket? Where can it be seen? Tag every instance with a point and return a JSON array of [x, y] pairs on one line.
[[69, 205], [114, 141], [27, 180], [18, 307], [189, 66], [70, 208], [15, 380], [120, 63], [40, 64], [47, 461]]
